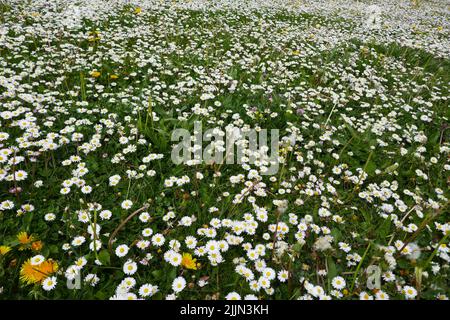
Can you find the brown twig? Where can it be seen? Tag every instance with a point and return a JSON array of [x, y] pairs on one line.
[[444, 127], [403, 219], [123, 223], [422, 226]]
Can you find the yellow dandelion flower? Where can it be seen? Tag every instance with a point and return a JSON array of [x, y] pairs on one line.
[[114, 76], [31, 274], [24, 240], [188, 262], [138, 10], [95, 74], [37, 245], [4, 250]]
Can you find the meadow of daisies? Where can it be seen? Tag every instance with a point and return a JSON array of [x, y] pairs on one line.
[[92, 207]]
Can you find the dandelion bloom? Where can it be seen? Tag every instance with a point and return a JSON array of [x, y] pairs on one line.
[[31, 274], [95, 74], [4, 250], [37, 245], [188, 262], [24, 240]]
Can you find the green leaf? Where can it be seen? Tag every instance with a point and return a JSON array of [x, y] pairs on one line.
[[337, 235], [53, 248], [157, 274], [100, 295], [157, 296], [383, 230], [45, 251], [104, 257], [297, 247], [332, 271]]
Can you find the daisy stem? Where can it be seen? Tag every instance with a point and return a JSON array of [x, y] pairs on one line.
[[275, 234], [435, 251], [94, 230], [129, 187], [149, 113], [359, 267], [329, 116], [82, 87]]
